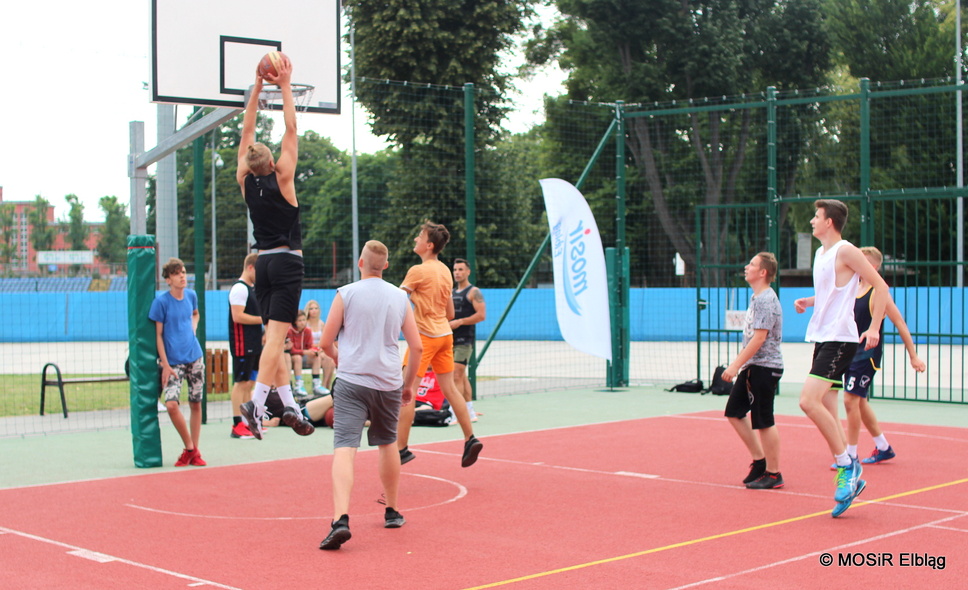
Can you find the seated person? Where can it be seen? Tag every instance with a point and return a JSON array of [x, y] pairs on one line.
[[314, 410], [304, 351]]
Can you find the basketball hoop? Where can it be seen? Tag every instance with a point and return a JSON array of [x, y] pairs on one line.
[[271, 97]]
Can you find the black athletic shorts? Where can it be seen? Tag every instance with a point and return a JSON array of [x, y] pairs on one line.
[[753, 392], [245, 368], [831, 360], [278, 285], [859, 376]]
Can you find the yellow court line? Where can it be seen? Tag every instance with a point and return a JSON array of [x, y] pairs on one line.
[[711, 537]]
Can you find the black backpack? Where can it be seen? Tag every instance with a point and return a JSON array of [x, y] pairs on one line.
[[719, 385], [426, 415], [694, 386]]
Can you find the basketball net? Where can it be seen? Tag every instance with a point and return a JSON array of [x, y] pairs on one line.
[[271, 97]]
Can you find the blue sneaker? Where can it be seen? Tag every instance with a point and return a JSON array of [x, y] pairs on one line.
[[877, 456], [847, 478], [842, 507]]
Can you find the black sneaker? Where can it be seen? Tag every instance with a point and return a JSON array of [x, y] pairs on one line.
[[254, 424], [757, 468], [767, 481], [406, 456], [472, 448], [294, 420], [394, 519], [339, 534]]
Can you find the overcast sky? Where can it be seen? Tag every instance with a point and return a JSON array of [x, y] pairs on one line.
[[77, 75]]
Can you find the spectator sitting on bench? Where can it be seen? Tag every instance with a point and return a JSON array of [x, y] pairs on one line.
[[303, 352]]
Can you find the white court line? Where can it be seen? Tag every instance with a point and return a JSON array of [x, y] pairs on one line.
[[932, 524], [810, 425], [461, 492], [710, 484], [104, 558]]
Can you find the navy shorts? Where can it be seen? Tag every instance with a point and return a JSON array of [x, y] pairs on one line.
[[753, 392], [245, 368], [831, 360], [858, 378], [354, 404], [278, 285]]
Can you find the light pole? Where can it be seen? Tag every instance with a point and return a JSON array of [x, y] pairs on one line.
[[216, 163]]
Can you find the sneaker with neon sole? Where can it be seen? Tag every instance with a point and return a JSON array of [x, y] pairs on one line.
[[847, 478], [842, 507], [878, 455]]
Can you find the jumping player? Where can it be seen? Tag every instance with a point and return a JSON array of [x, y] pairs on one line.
[[429, 285], [838, 265], [269, 189]]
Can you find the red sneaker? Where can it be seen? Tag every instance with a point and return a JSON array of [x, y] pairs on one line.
[[241, 430], [197, 459], [185, 459]]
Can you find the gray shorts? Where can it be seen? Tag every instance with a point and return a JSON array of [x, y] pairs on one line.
[[353, 405], [462, 353], [193, 374]]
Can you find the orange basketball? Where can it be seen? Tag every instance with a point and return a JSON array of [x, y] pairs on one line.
[[270, 62], [328, 417]]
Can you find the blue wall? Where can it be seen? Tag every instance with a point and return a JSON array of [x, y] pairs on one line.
[[656, 314]]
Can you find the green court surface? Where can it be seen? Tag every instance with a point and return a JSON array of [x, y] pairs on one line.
[[42, 459]]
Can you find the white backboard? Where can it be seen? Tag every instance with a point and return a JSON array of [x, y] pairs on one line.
[[205, 52]]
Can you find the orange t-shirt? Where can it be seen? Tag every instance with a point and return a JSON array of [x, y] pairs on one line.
[[430, 285]]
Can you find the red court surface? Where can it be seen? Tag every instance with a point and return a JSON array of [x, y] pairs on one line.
[[646, 503]]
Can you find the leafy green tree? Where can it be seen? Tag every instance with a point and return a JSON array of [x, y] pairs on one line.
[[112, 245], [655, 52], [42, 233], [437, 46], [8, 234], [77, 230]]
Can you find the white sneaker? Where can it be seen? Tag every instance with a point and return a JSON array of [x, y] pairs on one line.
[[300, 390], [320, 390], [473, 415]]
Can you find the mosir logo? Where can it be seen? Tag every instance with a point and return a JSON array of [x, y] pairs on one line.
[[573, 266]]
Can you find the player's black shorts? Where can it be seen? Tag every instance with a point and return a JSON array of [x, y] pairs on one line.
[[278, 285], [753, 392], [245, 368], [859, 376], [830, 361]]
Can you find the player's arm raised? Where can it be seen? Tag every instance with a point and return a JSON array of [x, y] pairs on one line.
[[286, 166], [248, 130]]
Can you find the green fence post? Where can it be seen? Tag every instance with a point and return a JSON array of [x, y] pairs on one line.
[[866, 221], [470, 212], [618, 290], [143, 353], [198, 149]]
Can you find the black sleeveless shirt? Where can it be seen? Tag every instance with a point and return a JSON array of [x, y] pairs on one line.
[[463, 308], [246, 339], [275, 222]]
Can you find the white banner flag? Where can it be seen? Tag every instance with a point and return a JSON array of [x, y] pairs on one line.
[[581, 283]]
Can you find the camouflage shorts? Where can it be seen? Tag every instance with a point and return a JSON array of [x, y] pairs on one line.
[[194, 376]]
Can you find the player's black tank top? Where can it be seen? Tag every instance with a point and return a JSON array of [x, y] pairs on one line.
[[463, 308], [862, 317], [275, 222]]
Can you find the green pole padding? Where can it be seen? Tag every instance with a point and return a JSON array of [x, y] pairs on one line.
[[143, 352]]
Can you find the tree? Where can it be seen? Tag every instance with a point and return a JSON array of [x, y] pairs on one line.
[[112, 246], [437, 46], [77, 231], [42, 234], [658, 51], [8, 234]]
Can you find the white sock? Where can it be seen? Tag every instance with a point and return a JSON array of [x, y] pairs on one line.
[[317, 382], [852, 451], [285, 394], [881, 442], [470, 407], [298, 381], [259, 395], [843, 459]]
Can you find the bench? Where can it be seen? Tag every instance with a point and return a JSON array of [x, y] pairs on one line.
[[59, 381]]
